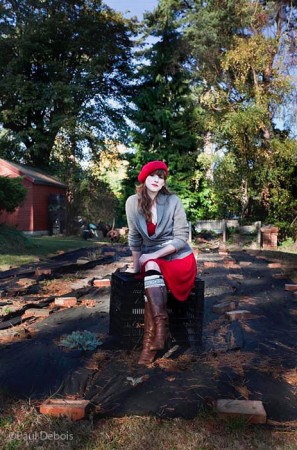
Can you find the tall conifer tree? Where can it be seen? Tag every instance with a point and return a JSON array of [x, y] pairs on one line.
[[166, 115]]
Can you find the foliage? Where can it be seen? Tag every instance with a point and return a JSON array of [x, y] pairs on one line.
[[61, 64], [12, 193], [88, 195], [82, 340], [242, 51], [217, 69], [166, 116], [281, 181]]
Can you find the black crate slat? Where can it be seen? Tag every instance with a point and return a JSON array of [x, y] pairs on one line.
[[127, 312]]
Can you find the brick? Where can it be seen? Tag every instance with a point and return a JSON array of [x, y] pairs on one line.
[[82, 261], [39, 272], [235, 276], [230, 263], [26, 282], [37, 312], [109, 253], [275, 265], [66, 301], [238, 314], [234, 266], [223, 307], [210, 264], [251, 410], [89, 303], [101, 283], [73, 409], [245, 263], [280, 276], [290, 287]]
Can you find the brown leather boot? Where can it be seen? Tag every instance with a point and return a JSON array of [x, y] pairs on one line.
[[147, 355], [157, 297]]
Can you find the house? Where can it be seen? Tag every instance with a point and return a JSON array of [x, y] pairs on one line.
[[43, 210]]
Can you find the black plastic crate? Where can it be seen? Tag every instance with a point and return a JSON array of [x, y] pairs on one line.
[[127, 313]]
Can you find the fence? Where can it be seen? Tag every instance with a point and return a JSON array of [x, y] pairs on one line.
[[221, 227]]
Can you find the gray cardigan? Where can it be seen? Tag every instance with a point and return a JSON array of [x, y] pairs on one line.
[[172, 227]]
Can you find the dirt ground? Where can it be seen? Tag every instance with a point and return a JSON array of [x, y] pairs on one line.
[[250, 358]]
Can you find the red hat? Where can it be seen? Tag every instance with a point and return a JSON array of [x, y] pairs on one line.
[[150, 168]]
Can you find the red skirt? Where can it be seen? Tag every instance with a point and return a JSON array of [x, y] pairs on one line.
[[179, 275]]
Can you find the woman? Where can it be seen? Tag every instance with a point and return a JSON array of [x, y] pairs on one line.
[[158, 233]]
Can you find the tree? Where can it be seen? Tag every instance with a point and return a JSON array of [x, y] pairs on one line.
[[241, 49], [12, 193], [88, 193], [62, 64], [165, 114]]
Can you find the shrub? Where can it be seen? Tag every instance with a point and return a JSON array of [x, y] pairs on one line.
[[82, 340], [12, 193]]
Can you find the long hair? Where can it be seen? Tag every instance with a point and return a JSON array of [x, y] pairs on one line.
[[144, 200]]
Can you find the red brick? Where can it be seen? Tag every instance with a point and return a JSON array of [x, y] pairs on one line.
[[231, 264], [101, 283], [39, 272], [280, 276], [26, 282], [290, 287], [89, 303], [251, 410], [275, 265], [30, 312], [223, 307], [235, 276], [238, 314], [210, 264], [245, 263], [66, 301], [73, 409]]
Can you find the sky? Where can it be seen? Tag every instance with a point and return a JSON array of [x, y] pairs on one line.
[[136, 7]]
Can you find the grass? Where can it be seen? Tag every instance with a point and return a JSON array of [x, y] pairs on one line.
[[17, 249], [21, 426]]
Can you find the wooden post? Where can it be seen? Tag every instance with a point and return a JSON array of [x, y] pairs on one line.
[[258, 228], [190, 232], [224, 231]]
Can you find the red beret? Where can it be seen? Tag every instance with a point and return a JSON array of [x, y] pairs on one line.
[[150, 168]]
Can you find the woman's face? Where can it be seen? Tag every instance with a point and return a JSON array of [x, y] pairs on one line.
[[154, 182]]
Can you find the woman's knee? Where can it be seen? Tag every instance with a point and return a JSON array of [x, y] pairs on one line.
[[152, 265]]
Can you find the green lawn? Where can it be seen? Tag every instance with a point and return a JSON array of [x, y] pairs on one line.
[[16, 249]]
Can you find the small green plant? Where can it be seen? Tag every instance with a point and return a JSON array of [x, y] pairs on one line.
[[82, 340], [6, 310], [232, 230]]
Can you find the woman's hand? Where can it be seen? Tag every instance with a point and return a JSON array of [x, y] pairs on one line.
[[158, 254], [146, 257], [131, 269]]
